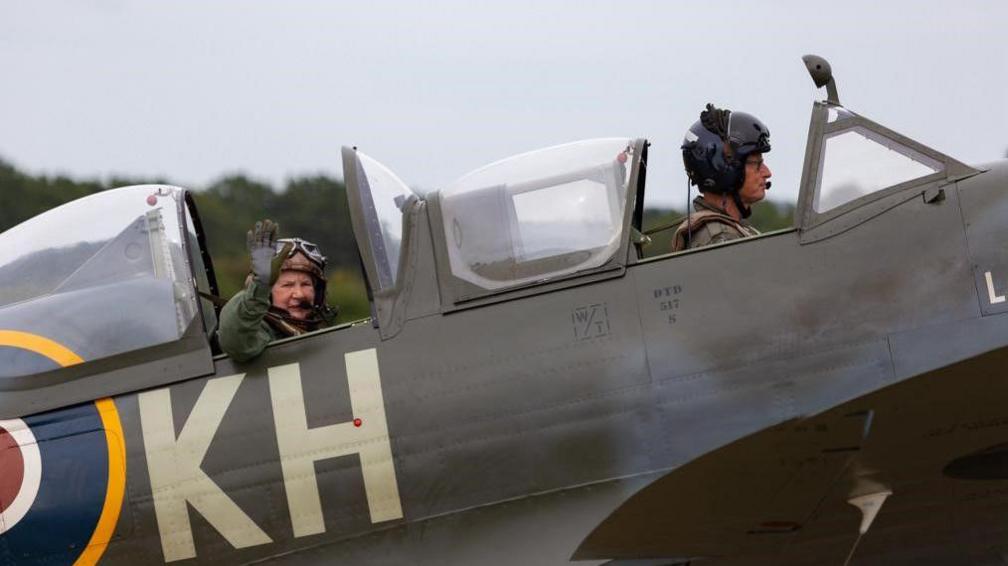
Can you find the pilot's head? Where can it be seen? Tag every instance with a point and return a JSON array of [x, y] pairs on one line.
[[301, 284], [723, 154]]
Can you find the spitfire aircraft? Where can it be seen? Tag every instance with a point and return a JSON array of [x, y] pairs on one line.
[[531, 389]]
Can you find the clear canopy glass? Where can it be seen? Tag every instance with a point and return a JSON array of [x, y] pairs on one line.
[[383, 195], [538, 215], [857, 161], [101, 275]]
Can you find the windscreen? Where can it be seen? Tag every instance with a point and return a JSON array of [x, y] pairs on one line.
[[857, 162]]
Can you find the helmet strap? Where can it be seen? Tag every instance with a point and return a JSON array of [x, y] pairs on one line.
[[689, 216], [744, 211]]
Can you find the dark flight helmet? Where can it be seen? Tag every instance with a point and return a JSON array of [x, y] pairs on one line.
[[716, 147]]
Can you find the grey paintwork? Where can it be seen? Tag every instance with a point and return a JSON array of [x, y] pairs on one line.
[[517, 428], [927, 439]]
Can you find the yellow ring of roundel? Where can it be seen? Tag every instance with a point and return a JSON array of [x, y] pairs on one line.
[[40, 345], [116, 489]]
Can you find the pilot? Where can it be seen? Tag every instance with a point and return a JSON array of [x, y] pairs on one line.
[[723, 155], [284, 295]]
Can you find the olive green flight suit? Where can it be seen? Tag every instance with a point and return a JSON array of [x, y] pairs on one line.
[[243, 332]]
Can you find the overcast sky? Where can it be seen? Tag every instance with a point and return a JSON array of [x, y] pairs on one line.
[[194, 90]]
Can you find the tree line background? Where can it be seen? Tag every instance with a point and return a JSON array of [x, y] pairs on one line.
[[311, 207]]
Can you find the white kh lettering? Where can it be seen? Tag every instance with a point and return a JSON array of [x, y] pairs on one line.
[[301, 447], [175, 475], [174, 463]]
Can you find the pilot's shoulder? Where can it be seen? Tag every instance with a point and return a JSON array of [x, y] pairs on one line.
[[715, 230]]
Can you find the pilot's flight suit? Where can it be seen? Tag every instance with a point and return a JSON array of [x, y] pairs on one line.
[[243, 333], [709, 225], [248, 323]]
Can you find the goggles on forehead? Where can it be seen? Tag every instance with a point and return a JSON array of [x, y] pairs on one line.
[[310, 250]]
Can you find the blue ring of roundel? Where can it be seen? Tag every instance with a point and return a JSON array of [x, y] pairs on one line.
[[74, 453]]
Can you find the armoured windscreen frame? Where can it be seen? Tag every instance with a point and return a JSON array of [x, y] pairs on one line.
[[821, 127]]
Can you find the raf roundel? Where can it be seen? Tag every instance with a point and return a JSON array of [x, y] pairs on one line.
[[62, 474], [20, 472]]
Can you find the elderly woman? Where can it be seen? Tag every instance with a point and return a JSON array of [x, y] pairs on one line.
[[284, 295]]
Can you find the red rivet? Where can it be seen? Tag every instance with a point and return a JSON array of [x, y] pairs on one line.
[[357, 422]]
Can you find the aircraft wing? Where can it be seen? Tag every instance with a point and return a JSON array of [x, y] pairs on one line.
[[707, 508], [783, 495]]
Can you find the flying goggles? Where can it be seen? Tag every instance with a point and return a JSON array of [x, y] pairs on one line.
[[310, 250]]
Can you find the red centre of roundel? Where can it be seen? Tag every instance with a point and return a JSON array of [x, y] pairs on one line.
[[11, 469]]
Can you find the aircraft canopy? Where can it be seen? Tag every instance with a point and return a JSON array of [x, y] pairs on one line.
[[545, 213], [95, 277]]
